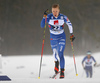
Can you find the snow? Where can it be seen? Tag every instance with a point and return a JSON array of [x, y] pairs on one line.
[[25, 69]]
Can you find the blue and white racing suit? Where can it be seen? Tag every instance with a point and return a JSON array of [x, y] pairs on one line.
[[57, 35], [88, 65]]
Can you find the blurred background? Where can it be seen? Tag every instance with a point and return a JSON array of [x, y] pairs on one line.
[[21, 34]]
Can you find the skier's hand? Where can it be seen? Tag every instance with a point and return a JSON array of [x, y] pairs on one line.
[[45, 13], [95, 64], [84, 68], [72, 37]]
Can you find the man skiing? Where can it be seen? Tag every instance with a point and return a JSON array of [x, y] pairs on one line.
[[88, 64], [56, 22]]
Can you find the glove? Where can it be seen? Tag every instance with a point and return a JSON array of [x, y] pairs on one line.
[[45, 13], [72, 37], [95, 64], [84, 68]]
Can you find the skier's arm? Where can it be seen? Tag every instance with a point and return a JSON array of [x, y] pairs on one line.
[[94, 61], [43, 22], [83, 62], [67, 21]]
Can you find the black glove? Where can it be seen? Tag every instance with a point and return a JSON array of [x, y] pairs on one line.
[[84, 68], [95, 64], [46, 13], [72, 37]]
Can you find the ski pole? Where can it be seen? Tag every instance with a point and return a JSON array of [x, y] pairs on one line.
[[74, 58], [42, 47]]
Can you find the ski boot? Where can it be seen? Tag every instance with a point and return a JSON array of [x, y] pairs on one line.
[[56, 69], [62, 73]]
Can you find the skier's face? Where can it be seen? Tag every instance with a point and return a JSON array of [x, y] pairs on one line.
[[88, 56], [55, 12]]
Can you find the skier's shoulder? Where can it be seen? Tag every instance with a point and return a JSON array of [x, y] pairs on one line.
[[63, 15], [92, 57]]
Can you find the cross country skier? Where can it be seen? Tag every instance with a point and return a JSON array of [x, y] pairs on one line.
[[88, 64], [56, 22]]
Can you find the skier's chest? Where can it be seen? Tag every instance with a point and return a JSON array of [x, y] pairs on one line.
[[88, 60], [56, 21]]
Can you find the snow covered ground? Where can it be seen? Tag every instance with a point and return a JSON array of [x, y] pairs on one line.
[[25, 69]]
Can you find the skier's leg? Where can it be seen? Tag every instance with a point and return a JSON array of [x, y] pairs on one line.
[[61, 48], [54, 48], [87, 73], [55, 54], [91, 72], [62, 60]]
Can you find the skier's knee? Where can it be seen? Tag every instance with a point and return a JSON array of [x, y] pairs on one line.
[[54, 51], [61, 55]]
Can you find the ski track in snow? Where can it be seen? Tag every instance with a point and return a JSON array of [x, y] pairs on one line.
[[25, 69]]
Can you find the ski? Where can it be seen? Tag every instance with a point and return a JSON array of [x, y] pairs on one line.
[[54, 76]]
